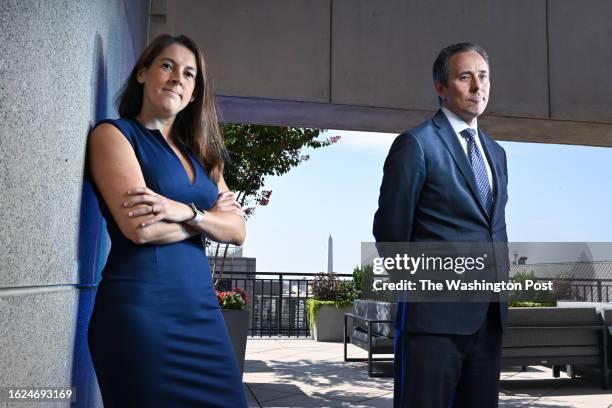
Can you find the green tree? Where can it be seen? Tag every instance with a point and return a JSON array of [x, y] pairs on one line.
[[258, 151]]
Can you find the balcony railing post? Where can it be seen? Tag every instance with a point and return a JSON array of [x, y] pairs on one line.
[[599, 297], [261, 306], [280, 305]]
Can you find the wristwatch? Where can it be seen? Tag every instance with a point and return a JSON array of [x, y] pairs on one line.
[[197, 215]]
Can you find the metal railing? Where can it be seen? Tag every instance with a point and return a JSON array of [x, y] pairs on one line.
[[277, 301], [586, 290]]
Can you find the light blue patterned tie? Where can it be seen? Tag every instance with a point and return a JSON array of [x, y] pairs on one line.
[[479, 168]]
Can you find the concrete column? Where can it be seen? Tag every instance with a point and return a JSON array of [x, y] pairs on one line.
[[61, 63]]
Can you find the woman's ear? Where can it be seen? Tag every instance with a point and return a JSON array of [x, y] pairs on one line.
[[140, 75]]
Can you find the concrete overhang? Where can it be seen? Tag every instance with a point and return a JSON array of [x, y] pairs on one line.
[[366, 65], [388, 120]]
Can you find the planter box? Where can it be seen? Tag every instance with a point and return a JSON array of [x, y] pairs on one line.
[[237, 322], [329, 324]]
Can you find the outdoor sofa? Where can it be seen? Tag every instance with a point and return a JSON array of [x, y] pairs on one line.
[[370, 327], [557, 337], [547, 336]]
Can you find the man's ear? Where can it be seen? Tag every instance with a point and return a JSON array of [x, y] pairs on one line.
[[440, 90]]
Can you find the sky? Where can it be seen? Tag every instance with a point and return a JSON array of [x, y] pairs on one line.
[[557, 193]]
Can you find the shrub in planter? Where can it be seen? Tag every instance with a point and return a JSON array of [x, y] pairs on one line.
[[235, 299], [531, 304], [538, 298], [363, 276], [329, 292]]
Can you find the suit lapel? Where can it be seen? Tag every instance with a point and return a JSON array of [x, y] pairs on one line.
[[488, 149], [448, 136]]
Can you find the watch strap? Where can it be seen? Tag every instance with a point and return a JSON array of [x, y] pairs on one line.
[[197, 217]]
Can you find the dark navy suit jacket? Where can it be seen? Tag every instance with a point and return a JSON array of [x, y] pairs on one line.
[[429, 194]]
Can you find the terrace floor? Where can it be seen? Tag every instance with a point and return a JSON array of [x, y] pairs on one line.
[[303, 373]]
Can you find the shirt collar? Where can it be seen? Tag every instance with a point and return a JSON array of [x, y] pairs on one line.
[[457, 123]]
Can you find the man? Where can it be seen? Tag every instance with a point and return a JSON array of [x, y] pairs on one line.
[[446, 181]]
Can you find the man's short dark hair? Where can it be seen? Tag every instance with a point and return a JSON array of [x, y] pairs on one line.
[[440, 66]]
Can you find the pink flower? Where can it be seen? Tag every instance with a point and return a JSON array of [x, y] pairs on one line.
[[243, 294]]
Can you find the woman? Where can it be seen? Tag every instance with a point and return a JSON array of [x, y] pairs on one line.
[[156, 335]]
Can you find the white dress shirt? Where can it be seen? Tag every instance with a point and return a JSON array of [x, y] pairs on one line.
[[458, 126]]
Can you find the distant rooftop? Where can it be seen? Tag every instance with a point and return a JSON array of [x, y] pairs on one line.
[[569, 270], [218, 249]]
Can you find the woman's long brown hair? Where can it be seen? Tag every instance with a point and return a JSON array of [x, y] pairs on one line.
[[197, 125]]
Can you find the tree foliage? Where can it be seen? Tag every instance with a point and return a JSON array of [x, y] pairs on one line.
[[258, 151]]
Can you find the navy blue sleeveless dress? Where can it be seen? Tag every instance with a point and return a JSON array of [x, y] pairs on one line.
[[156, 335]]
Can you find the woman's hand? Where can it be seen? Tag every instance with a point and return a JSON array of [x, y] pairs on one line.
[[156, 207], [226, 201]]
